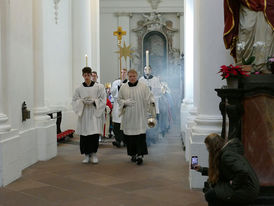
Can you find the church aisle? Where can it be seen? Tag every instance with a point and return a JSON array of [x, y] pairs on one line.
[[64, 181]]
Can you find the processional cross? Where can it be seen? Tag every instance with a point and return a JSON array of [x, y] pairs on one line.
[[120, 33]]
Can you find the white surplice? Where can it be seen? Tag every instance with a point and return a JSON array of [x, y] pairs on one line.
[[134, 118], [90, 122], [115, 110]]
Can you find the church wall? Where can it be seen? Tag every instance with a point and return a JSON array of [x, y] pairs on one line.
[[17, 144], [108, 46], [33, 139], [109, 15], [110, 6]]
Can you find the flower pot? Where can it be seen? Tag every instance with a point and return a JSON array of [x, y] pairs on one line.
[[247, 68], [232, 82]]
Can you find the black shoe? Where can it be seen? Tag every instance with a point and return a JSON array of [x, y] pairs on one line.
[[133, 158], [117, 144], [139, 161]]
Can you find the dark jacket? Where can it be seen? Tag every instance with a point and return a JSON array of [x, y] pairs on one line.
[[238, 183]]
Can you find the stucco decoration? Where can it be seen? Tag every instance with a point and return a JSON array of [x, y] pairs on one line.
[[154, 4], [154, 21], [56, 2]]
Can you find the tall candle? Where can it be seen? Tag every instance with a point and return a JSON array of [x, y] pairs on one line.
[[147, 58], [86, 60]]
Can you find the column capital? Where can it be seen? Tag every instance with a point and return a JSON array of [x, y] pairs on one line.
[[180, 14]]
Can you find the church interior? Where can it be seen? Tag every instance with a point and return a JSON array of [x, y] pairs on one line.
[[214, 63]]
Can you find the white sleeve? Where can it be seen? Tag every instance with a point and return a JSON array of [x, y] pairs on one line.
[[149, 98], [100, 101], [114, 89], [77, 103], [121, 98], [156, 90]]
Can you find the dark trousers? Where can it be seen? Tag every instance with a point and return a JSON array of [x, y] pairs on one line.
[[119, 135], [89, 144], [136, 144]]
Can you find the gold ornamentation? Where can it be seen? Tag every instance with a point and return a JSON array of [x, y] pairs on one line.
[[119, 33], [125, 51]]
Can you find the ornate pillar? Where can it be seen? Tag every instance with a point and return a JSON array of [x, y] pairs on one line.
[[81, 39], [4, 126]]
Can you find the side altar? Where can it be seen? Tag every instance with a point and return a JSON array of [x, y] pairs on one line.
[[250, 112]]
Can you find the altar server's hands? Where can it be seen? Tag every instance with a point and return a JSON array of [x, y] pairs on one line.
[[88, 101], [129, 102]]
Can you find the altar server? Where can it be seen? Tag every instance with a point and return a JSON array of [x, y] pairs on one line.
[[89, 102], [136, 104]]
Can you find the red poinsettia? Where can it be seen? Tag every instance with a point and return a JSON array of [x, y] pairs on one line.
[[232, 71]]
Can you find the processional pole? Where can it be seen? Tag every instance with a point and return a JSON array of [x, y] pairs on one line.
[[119, 33]]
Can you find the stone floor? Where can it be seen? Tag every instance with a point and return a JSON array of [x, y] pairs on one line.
[[64, 181]]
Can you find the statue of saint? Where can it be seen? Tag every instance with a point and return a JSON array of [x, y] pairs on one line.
[[249, 31]]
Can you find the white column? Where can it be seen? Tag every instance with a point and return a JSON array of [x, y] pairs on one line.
[[40, 110], [45, 127], [4, 126], [209, 54], [81, 39], [187, 104], [95, 35], [123, 21]]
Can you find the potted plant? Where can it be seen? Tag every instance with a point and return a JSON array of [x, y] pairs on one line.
[[232, 74]]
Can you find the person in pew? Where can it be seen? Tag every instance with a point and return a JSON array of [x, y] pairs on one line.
[[136, 101], [89, 102], [231, 179]]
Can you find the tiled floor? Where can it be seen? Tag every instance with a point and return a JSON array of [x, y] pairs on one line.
[[161, 181]]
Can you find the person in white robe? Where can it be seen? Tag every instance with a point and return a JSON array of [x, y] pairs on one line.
[[116, 119], [154, 85], [136, 104], [88, 103], [94, 78]]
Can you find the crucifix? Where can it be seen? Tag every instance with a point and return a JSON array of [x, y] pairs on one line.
[[120, 33]]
